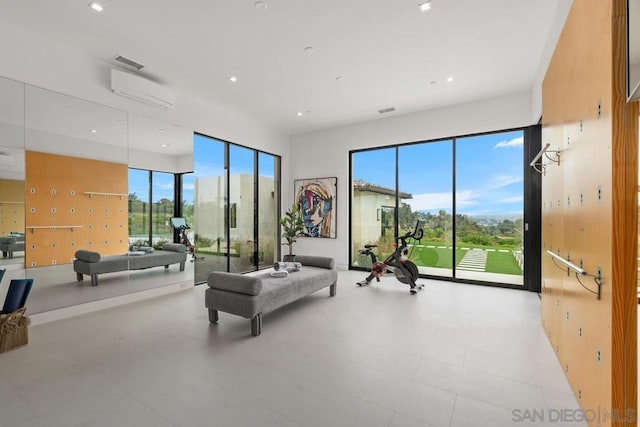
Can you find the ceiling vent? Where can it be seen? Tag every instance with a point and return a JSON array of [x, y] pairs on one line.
[[129, 62], [387, 110], [142, 90]]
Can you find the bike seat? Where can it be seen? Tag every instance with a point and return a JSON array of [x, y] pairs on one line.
[[370, 246]]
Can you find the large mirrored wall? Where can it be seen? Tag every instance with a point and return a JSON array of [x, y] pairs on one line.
[[65, 185], [12, 175]]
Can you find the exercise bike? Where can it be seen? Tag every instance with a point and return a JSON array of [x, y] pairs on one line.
[[398, 262], [181, 225]]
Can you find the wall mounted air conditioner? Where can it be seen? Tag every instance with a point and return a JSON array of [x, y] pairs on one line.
[[141, 90]]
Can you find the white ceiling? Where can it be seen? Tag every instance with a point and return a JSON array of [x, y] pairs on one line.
[[387, 52]]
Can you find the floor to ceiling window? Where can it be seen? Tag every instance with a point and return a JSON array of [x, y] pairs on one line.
[[425, 171], [139, 197], [489, 207], [373, 202], [242, 209], [236, 205], [151, 206], [188, 195], [478, 180], [268, 201], [209, 206], [162, 197]]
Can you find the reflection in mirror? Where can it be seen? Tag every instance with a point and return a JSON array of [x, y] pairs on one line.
[[159, 155], [11, 178], [69, 159], [76, 196]]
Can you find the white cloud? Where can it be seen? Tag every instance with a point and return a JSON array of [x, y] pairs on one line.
[[432, 201], [189, 186], [498, 181], [514, 199], [166, 186], [514, 143]]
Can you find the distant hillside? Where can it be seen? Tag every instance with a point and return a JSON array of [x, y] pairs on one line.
[[494, 219]]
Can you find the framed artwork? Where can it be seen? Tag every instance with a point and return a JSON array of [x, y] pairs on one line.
[[317, 200]]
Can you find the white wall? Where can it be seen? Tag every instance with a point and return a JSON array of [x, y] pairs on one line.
[[326, 153], [42, 62], [140, 159]]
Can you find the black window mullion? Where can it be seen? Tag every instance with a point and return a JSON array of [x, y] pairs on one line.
[[454, 209], [177, 202], [396, 215], [227, 198], [256, 208], [150, 214], [532, 217]]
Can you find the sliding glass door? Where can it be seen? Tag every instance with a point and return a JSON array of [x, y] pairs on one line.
[[242, 208], [468, 191], [425, 171], [489, 207], [236, 205], [151, 206], [162, 207], [268, 208], [373, 202], [210, 189]]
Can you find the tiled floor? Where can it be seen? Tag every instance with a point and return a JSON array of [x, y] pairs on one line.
[[453, 355], [56, 286]]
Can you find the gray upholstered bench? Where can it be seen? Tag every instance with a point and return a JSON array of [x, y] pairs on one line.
[[255, 294], [11, 244], [92, 264]]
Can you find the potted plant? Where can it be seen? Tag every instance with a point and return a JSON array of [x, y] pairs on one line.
[[292, 227]]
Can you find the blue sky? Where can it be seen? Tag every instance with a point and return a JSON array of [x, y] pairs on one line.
[[489, 177], [162, 184], [489, 172]]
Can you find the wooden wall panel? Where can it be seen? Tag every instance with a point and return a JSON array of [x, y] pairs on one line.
[[56, 195], [586, 204], [625, 231]]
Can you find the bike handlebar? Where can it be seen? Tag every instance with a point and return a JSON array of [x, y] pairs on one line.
[[417, 233]]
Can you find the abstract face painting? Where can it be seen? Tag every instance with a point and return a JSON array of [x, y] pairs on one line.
[[316, 199]]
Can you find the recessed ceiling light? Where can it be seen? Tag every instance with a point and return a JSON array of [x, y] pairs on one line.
[[309, 50], [299, 114], [425, 5], [93, 131], [165, 145], [449, 79], [96, 6], [233, 79], [260, 5]]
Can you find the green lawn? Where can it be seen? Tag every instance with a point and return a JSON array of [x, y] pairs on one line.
[[500, 262], [497, 262], [435, 257]]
